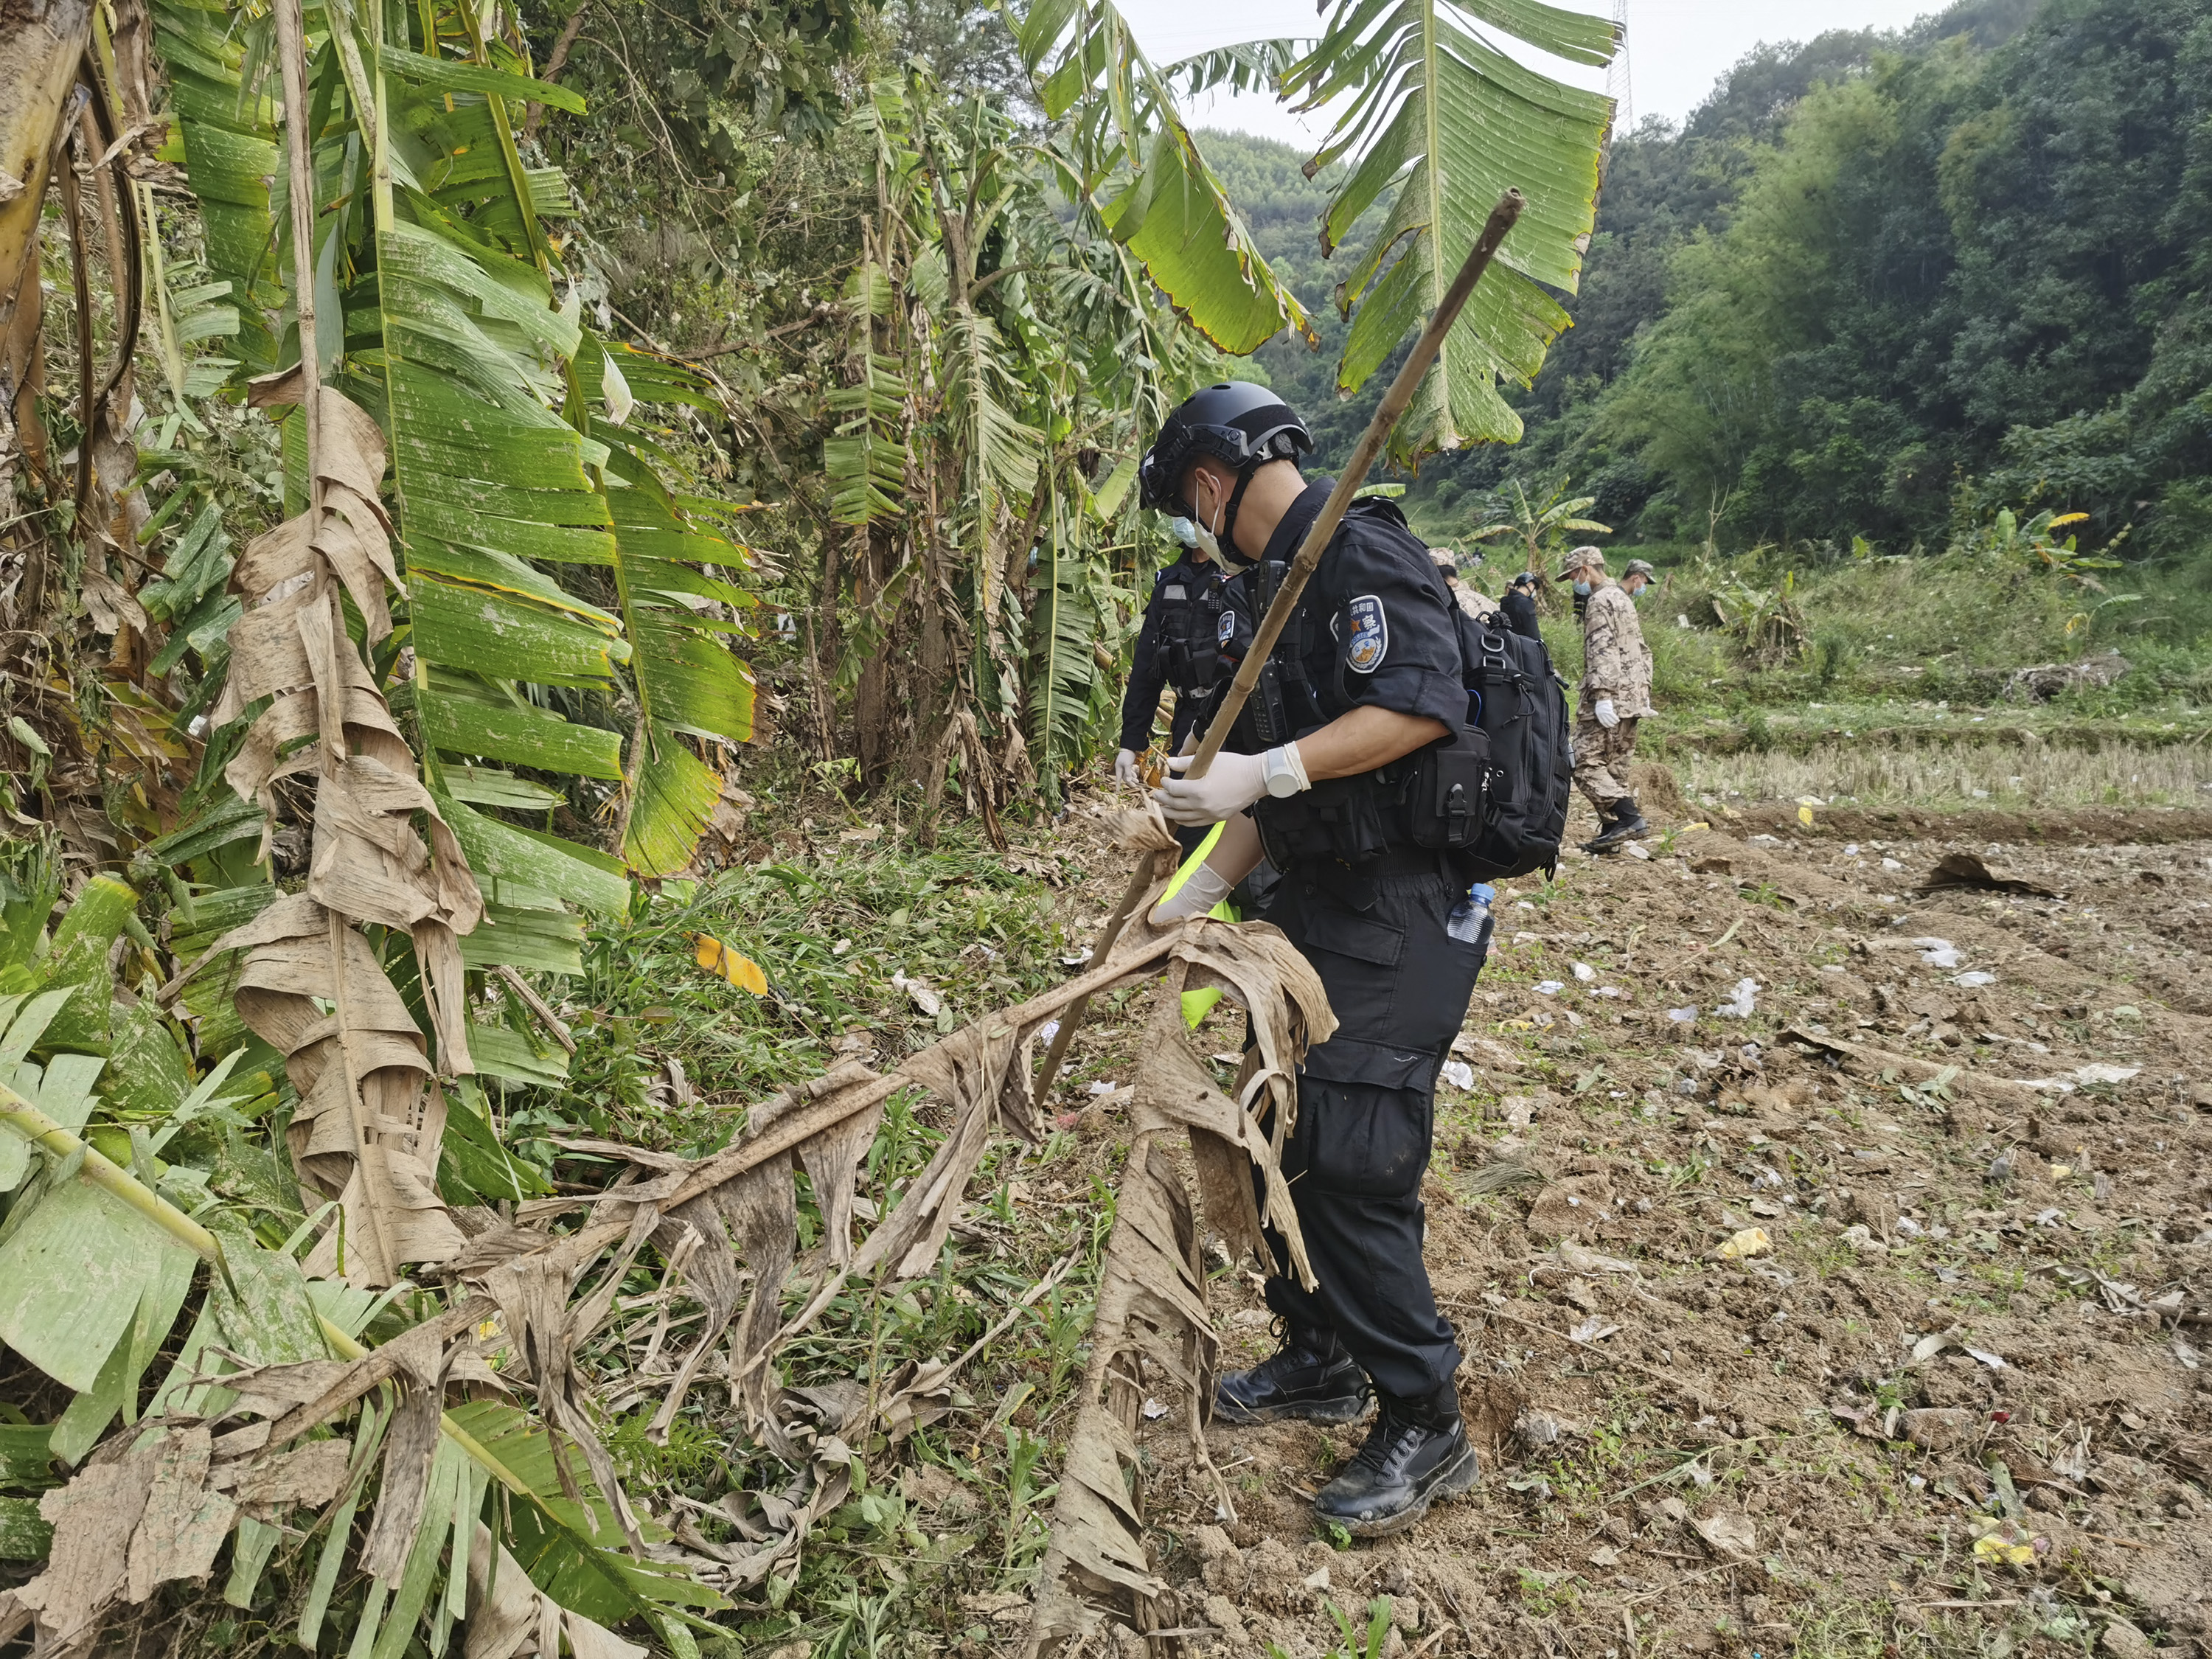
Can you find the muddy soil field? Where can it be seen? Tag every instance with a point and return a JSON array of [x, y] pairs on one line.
[[1827, 1218]]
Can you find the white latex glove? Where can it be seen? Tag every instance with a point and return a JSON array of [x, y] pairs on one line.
[[1233, 783], [1606, 716], [1125, 766], [1201, 890]]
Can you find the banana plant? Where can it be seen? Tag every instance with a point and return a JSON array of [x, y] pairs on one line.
[[1000, 362], [1443, 122], [558, 637], [544, 551], [1139, 167], [1539, 525], [1435, 117]]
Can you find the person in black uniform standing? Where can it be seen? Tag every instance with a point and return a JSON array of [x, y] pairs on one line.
[[1179, 645], [1519, 605], [1367, 673]]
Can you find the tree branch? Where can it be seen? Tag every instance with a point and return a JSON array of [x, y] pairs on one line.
[[555, 61]]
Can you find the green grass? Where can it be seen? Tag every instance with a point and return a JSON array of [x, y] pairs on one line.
[[830, 928], [829, 931], [1897, 694]]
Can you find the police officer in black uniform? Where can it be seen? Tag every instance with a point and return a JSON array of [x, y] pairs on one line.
[[1519, 605], [1366, 679], [1179, 645]]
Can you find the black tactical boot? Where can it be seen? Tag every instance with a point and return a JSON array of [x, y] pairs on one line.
[[1597, 844], [1416, 1453], [1624, 821], [1310, 1377]]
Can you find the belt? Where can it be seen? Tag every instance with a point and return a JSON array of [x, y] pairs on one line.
[[1393, 861]]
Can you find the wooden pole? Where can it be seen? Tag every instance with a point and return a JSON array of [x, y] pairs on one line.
[[1394, 404]]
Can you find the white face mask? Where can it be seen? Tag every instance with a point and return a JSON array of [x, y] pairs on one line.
[[1208, 542]]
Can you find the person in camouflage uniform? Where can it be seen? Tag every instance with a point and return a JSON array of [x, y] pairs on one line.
[[1467, 596], [1616, 692]]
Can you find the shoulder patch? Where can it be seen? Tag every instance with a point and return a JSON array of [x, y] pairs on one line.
[[1228, 627], [1174, 592], [1370, 634]]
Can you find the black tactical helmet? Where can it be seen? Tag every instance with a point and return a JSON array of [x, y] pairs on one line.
[[1233, 421]]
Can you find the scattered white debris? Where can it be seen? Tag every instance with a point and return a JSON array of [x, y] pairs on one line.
[[1584, 972], [923, 997], [1938, 952], [1851, 849], [1459, 1074], [1973, 980], [1765, 840], [1891, 863], [1607, 991], [2097, 1072], [1744, 1000], [1049, 1030], [1929, 1346], [1550, 988], [1104, 1085], [1682, 1016]]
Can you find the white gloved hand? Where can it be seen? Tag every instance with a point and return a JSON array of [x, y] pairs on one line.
[[1234, 783], [1200, 892], [1606, 716], [1125, 766]]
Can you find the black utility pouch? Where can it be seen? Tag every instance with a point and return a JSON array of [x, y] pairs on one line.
[[1447, 792], [1339, 820]]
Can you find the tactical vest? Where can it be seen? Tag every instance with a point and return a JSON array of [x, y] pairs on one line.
[[1432, 802], [1191, 633], [1339, 820]]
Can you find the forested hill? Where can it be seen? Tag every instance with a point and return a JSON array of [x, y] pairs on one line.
[[1875, 281]]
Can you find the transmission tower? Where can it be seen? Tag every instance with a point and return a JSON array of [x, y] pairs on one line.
[[1616, 74]]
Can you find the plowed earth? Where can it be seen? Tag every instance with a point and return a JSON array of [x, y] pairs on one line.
[[1972, 1128]]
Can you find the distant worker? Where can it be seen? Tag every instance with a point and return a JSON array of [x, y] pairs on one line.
[[1616, 692], [1519, 604], [1179, 645], [1468, 597]]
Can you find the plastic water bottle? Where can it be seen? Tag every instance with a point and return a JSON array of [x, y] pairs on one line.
[[1470, 917]]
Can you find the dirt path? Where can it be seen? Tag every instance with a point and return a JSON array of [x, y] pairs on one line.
[[1973, 1127]]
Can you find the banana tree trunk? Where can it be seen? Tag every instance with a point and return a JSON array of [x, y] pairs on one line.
[[41, 43]]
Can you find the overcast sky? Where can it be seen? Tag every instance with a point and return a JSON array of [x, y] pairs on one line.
[[1677, 48]]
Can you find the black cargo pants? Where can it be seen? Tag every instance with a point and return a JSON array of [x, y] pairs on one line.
[[1400, 985]]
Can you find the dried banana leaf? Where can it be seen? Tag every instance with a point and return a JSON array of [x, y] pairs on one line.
[[367, 1135]]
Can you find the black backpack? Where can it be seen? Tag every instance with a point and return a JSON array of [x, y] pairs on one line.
[[1517, 701]]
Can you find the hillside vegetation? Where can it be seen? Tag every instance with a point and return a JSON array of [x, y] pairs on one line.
[[1871, 276]]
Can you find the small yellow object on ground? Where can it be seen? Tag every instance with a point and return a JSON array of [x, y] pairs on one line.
[[720, 960], [1752, 1241], [2005, 1544]]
